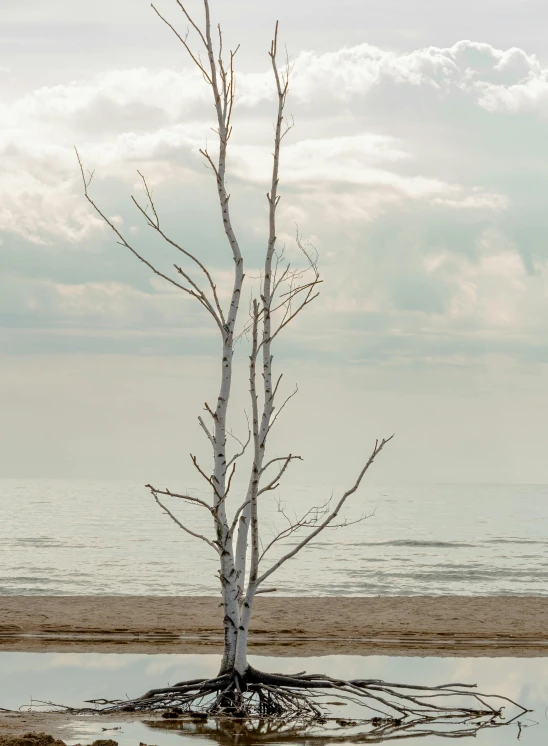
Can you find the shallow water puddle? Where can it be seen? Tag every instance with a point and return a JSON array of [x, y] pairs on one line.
[[70, 678]]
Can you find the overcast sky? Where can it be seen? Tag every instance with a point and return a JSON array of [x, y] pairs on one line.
[[417, 167]]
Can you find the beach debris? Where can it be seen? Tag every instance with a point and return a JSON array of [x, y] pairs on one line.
[[30, 739]]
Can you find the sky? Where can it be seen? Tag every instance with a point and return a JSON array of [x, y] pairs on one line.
[[416, 167]]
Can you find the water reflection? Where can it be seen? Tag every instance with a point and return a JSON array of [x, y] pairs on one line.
[[73, 678], [335, 730]]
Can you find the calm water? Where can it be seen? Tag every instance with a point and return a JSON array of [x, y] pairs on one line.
[[72, 678], [62, 537]]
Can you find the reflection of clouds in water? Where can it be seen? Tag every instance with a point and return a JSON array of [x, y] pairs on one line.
[[91, 661], [72, 678], [183, 666], [405, 669], [517, 678], [522, 679]]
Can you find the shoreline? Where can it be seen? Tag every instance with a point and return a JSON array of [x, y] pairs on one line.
[[474, 626]]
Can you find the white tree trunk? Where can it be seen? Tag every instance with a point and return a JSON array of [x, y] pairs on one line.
[[250, 513], [240, 661], [229, 587]]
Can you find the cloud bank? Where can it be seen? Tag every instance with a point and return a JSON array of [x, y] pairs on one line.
[[418, 176]]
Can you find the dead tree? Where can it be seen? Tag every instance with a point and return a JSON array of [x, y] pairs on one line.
[[284, 292]]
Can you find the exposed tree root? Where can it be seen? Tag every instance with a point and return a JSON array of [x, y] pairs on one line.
[[275, 702]]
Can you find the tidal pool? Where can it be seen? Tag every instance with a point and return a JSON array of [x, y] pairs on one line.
[[71, 678]]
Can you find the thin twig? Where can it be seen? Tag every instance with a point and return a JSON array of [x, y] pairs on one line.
[[181, 525]]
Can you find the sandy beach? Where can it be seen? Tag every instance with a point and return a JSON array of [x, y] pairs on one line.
[[441, 626], [416, 625]]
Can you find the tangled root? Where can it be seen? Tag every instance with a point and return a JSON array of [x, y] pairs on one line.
[[279, 702]]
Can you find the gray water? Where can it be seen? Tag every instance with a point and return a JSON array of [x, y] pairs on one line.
[[78, 537], [72, 678]]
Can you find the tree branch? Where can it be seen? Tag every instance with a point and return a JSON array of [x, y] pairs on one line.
[[188, 498], [280, 410], [219, 316], [310, 518], [206, 431], [229, 481], [236, 516], [377, 449], [279, 458], [196, 27], [123, 241], [181, 525], [243, 445], [183, 41], [209, 480], [274, 482]]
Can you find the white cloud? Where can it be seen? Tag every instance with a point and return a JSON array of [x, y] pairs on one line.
[[39, 184], [531, 96], [476, 199], [490, 290], [351, 160], [40, 211], [412, 221], [466, 65]]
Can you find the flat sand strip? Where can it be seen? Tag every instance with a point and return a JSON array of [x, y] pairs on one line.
[[400, 625]]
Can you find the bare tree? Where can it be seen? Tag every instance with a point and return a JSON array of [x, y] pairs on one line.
[[284, 292]]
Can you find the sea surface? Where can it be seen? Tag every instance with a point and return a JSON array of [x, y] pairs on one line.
[[80, 537]]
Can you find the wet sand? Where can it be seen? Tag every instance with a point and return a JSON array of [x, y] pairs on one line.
[[62, 726], [416, 625]]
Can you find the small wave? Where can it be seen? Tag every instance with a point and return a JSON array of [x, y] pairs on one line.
[[23, 579], [517, 541], [415, 543], [42, 542], [468, 574]]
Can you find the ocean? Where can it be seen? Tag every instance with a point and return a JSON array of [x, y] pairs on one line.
[[60, 537]]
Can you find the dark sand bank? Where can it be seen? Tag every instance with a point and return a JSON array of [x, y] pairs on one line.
[[51, 729], [417, 625], [42, 739]]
